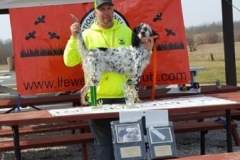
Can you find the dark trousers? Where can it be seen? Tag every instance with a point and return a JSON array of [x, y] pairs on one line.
[[101, 129]]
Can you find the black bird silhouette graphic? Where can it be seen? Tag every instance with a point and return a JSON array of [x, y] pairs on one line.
[[40, 20], [158, 17], [53, 35], [170, 32], [30, 35]]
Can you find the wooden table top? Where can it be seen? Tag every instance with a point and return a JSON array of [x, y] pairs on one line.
[[143, 94], [221, 156], [43, 116]]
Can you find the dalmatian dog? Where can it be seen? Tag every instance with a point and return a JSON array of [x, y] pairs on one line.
[[130, 134], [131, 60]]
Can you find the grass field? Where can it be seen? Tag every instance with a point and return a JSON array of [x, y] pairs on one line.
[[214, 69]]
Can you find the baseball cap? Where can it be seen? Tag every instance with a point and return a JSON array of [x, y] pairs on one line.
[[97, 3]]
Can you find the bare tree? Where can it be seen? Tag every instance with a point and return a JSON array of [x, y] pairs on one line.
[[192, 43], [6, 50]]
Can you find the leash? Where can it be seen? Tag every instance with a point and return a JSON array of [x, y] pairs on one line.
[[154, 71]]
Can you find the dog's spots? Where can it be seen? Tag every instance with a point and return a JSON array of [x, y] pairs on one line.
[[97, 60], [136, 57], [112, 53], [130, 60]]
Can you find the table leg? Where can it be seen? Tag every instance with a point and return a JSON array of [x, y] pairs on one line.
[[16, 142], [10, 110], [202, 144], [229, 130]]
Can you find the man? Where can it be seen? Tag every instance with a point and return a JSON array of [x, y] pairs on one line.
[[104, 32]]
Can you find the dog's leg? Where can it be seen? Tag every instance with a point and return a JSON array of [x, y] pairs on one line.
[[84, 91], [137, 81], [92, 79], [132, 89]]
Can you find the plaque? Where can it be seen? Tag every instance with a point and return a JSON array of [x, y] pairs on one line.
[[130, 152], [128, 140], [160, 135], [161, 142], [162, 151]]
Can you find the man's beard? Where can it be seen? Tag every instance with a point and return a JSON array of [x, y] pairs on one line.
[[106, 24]]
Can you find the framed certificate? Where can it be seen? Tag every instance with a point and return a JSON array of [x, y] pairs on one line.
[[128, 141], [128, 133], [161, 142], [160, 135]]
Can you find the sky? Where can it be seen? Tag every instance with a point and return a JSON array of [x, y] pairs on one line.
[[195, 12]]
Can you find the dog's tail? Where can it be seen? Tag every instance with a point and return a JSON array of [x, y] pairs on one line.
[[82, 47]]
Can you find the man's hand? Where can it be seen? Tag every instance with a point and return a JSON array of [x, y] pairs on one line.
[[74, 28], [148, 42]]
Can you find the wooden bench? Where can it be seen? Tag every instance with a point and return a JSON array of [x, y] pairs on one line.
[[200, 126], [220, 156], [33, 102], [201, 115], [49, 141], [82, 139], [83, 125], [203, 127], [71, 126]]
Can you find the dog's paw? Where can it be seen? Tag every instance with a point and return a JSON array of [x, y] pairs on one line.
[[137, 100], [85, 103]]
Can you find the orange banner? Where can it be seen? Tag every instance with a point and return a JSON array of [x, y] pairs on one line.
[[41, 33]]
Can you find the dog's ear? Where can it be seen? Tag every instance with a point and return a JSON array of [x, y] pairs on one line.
[[122, 133], [154, 33], [136, 131], [135, 39]]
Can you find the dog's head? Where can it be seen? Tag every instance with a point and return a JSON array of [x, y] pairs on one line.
[[141, 31], [129, 134]]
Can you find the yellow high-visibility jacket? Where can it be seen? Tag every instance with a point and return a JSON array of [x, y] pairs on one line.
[[111, 84]]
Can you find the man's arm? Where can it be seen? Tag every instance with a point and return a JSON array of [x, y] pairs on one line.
[[71, 56]]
